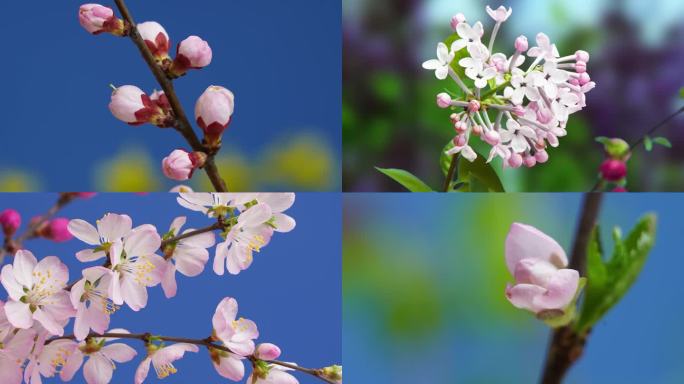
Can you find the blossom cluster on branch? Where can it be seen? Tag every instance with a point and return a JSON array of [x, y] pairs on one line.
[[42, 301]]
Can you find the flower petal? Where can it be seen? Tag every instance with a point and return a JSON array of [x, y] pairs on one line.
[[84, 231], [524, 242], [113, 227]]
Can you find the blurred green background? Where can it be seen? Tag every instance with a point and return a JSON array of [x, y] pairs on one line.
[[390, 118], [424, 279]]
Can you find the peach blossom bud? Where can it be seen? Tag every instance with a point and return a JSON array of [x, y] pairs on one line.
[[131, 105], [473, 106], [477, 130], [492, 137], [613, 170], [213, 112], [267, 351], [443, 100], [521, 44], [57, 231], [96, 18], [192, 52], [582, 56], [456, 20], [515, 161], [455, 117], [10, 220], [179, 165], [529, 161], [580, 67], [542, 156], [156, 38]]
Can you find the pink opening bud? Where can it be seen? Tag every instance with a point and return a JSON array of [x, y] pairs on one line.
[[477, 129], [156, 38], [133, 106], [473, 106], [267, 351], [192, 52], [515, 161], [573, 81], [582, 56], [460, 140], [179, 165], [456, 20], [580, 67], [443, 100], [542, 156], [492, 137], [613, 170], [213, 112], [10, 221], [96, 18], [500, 14], [56, 230], [584, 78], [521, 44], [529, 161]]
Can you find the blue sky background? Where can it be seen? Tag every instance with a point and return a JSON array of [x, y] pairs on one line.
[[281, 59], [292, 290], [424, 280]]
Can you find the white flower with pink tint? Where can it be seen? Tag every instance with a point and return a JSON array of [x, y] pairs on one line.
[[14, 350], [192, 53], [96, 18], [500, 14], [248, 235], [110, 228], [156, 38], [272, 374], [468, 36], [187, 256], [179, 165], [279, 202], [236, 334], [90, 297], [162, 359], [213, 112], [36, 291], [228, 365], [441, 64], [543, 284]]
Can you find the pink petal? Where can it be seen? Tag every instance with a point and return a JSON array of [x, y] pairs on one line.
[[48, 322], [88, 255], [255, 215], [119, 352], [143, 369], [113, 227], [169, 281], [53, 267], [134, 294], [19, 314], [231, 368], [84, 231], [526, 242], [278, 202], [143, 240], [283, 222], [176, 224], [72, 365], [14, 289], [560, 291], [220, 258], [524, 295], [190, 261], [24, 263], [204, 240], [98, 370]]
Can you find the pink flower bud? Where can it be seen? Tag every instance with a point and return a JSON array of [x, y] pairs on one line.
[[519, 110], [443, 100], [461, 126], [460, 140], [542, 156], [521, 44], [584, 78], [192, 52], [456, 20], [573, 81], [267, 351], [515, 161], [529, 161], [96, 18], [156, 38], [473, 106], [613, 170], [477, 129], [492, 137], [10, 220], [582, 56], [57, 230], [133, 106], [213, 112], [455, 117], [179, 165], [580, 67]]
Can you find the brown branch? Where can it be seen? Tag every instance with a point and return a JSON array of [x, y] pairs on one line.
[[452, 171], [208, 343], [566, 346], [182, 123]]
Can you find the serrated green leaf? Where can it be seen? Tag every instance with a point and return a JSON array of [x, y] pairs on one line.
[[480, 176], [648, 143], [406, 179], [662, 141], [609, 281]]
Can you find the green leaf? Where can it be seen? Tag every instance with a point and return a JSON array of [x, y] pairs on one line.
[[409, 181], [602, 139], [479, 176], [662, 141], [609, 281], [648, 143], [681, 92]]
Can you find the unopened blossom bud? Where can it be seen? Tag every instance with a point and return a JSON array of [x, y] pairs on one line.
[[192, 53], [584, 78], [156, 39], [56, 230], [179, 165], [334, 373], [10, 220], [581, 67], [456, 20], [500, 14], [96, 19], [613, 170], [529, 161], [455, 117], [473, 106], [542, 156], [515, 161], [477, 129], [518, 110], [85, 195], [213, 112], [133, 106], [267, 351], [521, 44], [460, 140], [582, 56], [443, 100], [461, 127], [492, 137]]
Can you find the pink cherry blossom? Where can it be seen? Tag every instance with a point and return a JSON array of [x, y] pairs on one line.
[[131, 105], [278, 202], [188, 256], [110, 228], [192, 52], [162, 359], [276, 374], [213, 112], [96, 18], [156, 38], [236, 334], [90, 297], [10, 220], [267, 351], [36, 291], [14, 349], [228, 365], [538, 264], [179, 165]]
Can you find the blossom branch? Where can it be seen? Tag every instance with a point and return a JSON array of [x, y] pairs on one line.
[[182, 123], [566, 345], [208, 343]]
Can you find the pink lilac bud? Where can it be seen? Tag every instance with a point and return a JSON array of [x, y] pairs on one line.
[[542, 156], [515, 161], [56, 230], [456, 20], [473, 106], [582, 56], [461, 126], [519, 110], [267, 351], [156, 39], [179, 165], [96, 19], [529, 161], [191, 53], [574, 81], [613, 170], [521, 44], [544, 116], [443, 100], [133, 106], [213, 112], [10, 220], [455, 117], [584, 78], [477, 129], [580, 67], [460, 140], [492, 137]]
